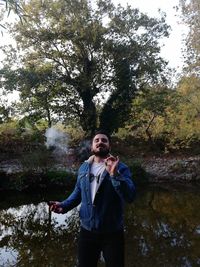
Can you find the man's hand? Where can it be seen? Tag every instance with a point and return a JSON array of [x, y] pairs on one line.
[[111, 165], [55, 206]]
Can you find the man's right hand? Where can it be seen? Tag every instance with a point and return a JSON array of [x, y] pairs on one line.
[[55, 206]]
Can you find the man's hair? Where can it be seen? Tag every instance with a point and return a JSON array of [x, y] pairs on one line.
[[101, 131]]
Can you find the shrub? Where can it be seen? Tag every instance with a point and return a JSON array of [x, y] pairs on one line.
[[61, 177]]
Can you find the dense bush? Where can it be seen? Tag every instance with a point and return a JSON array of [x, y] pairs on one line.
[[30, 180], [16, 139], [62, 177]]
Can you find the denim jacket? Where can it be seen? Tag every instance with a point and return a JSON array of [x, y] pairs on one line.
[[105, 214]]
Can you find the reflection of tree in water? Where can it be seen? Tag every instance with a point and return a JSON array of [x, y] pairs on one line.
[[162, 229], [37, 242]]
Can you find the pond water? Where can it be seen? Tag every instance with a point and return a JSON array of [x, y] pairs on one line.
[[162, 229]]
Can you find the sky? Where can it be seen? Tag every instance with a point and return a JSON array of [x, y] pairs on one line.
[[172, 46]]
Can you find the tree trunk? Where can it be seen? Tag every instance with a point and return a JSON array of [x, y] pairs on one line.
[[148, 133], [88, 118]]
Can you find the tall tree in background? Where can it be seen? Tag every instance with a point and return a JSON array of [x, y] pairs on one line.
[[14, 6], [191, 16], [78, 52], [189, 91]]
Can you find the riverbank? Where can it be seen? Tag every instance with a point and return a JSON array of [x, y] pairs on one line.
[[32, 180], [149, 169], [171, 168]]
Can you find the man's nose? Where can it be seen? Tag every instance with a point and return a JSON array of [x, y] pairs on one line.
[[100, 143]]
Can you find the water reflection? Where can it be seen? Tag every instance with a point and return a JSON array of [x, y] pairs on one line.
[[162, 229], [29, 238]]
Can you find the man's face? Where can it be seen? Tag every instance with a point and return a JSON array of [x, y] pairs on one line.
[[100, 145]]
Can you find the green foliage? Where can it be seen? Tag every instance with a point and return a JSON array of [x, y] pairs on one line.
[[76, 134], [190, 15], [17, 138], [166, 119], [149, 115], [14, 6], [31, 179], [61, 177], [5, 109], [4, 114], [72, 56], [185, 121], [161, 120], [10, 126], [41, 125]]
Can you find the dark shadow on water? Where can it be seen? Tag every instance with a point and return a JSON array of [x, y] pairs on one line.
[[162, 229]]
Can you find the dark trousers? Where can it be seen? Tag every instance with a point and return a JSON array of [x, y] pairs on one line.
[[91, 244]]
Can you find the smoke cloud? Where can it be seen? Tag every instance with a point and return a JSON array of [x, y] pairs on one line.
[[56, 140]]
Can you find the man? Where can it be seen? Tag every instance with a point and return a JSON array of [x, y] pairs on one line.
[[103, 185]]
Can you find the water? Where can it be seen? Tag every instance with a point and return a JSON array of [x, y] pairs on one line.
[[162, 229]]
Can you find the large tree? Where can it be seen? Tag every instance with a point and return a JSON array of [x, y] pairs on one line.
[[191, 16], [91, 50], [6, 6]]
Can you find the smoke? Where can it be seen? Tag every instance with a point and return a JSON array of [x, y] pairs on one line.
[[56, 140], [84, 150]]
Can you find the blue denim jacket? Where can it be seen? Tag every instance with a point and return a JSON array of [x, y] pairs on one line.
[[105, 214]]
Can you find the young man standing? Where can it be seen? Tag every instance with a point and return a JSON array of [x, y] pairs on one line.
[[103, 185]]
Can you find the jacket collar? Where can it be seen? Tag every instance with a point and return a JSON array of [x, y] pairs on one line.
[[91, 159]]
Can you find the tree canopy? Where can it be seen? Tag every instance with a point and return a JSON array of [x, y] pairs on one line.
[[191, 16], [14, 6], [76, 54]]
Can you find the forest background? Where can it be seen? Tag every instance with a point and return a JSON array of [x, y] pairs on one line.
[[80, 65]]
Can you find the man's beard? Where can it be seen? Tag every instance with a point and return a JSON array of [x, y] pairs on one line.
[[101, 153]]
